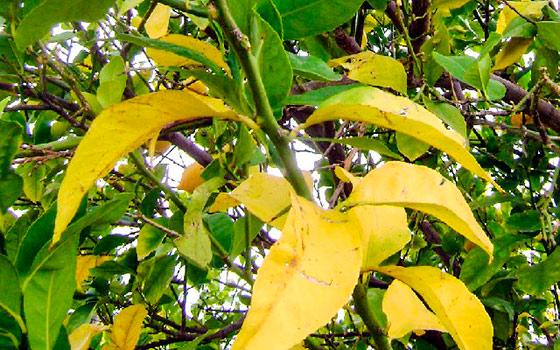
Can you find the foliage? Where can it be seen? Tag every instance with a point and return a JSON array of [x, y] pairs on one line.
[[141, 143]]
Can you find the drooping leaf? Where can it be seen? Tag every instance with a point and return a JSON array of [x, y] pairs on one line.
[[538, 278], [312, 68], [458, 310], [422, 189], [169, 58], [296, 292], [374, 106], [406, 312], [127, 326], [48, 291], [45, 15], [112, 82], [301, 18], [133, 121], [373, 69], [10, 292], [158, 22]]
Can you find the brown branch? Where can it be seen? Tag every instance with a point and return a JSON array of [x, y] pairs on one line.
[[198, 154]]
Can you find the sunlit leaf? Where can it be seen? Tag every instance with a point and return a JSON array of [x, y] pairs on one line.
[[422, 189], [158, 22], [373, 69], [133, 120], [406, 312], [127, 326], [375, 106], [458, 310], [167, 58], [305, 279]]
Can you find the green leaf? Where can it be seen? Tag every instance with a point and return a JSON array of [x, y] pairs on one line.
[[10, 292], [11, 186], [477, 73], [158, 278], [15, 234], [477, 269], [48, 291], [526, 221], [245, 230], [112, 82], [246, 150], [42, 17], [302, 18], [220, 226], [444, 6], [273, 61], [549, 33], [10, 139], [312, 68], [195, 244], [455, 65], [32, 175], [149, 239], [449, 114], [538, 278], [409, 146]]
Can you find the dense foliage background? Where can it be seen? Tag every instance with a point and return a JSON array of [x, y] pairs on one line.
[[487, 68]]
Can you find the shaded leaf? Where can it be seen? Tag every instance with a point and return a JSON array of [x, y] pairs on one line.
[[538, 278], [10, 292], [84, 264]]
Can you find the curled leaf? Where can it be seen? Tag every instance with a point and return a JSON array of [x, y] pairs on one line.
[[458, 310], [423, 189], [305, 279], [120, 129]]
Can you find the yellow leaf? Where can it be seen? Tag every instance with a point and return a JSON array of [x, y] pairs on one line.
[[266, 196], [223, 202], [459, 311], [371, 105], [384, 228], [511, 52], [424, 189], [385, 231], [84, 264], [443, 6], [372, 69], [120, 129], [166, 58], [80, 338], [406, 312], [531, 9], [305, 279], [127, 326], [156, 25]]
